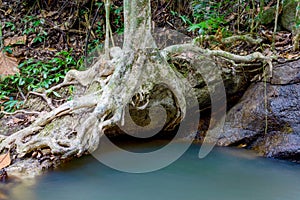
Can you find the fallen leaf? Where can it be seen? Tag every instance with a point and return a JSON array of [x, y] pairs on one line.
[[8, 11], [15, 40], [290, 56], [17, 120], [3, 99], [5, 160], [8, 64]]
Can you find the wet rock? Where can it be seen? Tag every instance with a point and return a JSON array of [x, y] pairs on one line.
[[280, 135], [27, 168]]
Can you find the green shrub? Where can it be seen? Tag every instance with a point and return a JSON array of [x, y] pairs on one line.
[[35, 74]]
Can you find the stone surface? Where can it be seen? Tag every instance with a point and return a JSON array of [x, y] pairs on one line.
[[246, 124], [288, 15]]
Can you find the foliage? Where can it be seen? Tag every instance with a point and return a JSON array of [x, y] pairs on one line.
[[118, 21], [207, 16], [34, 25], [117, 25], [36, 74]]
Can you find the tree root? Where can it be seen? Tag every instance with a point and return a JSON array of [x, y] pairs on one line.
[[121, 78], [228, 40], [256, 56]]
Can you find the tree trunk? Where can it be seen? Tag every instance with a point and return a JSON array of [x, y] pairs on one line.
[[137, 22]]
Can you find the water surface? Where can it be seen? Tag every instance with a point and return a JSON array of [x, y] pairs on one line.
[[225, 174]]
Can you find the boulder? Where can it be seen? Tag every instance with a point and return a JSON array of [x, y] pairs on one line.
[[288, 15], [286, 18], [279, 136]]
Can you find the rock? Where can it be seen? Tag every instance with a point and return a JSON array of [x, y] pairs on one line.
[[246, 123], [27, 168], [268, 16], [288, 15]]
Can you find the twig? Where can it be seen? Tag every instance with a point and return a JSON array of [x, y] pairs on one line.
[[44, 96], [22, 95], [1, 39], [89, 34], [275, 26], [60, 86], [21, 111]]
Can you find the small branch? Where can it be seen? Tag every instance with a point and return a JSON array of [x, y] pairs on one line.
[[63, 84], [1, 37], [89, 33], [21, 93], [44, 96], [21, 111], [50, 90], [276, 23]]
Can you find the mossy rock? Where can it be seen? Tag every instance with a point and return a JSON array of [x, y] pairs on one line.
[[288, 15], [268, 16]]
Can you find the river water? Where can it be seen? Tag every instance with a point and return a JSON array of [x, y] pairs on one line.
[[225, 174]]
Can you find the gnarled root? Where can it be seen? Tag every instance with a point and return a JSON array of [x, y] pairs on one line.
[[76, 126]]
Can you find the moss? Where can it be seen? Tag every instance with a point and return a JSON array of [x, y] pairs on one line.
[[49, 128], [288, 14], [287, 129], [94, 87], [268, 16]]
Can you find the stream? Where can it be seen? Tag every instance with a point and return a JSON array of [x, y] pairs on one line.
[[225, 174]]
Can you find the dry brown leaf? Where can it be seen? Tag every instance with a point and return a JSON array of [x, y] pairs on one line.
[[46, 14], [15, 40], [4, 99], [5, 160], [17, 120], [8, 65], [8, 11]]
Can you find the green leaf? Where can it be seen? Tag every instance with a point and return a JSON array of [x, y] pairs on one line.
[[56, 94]]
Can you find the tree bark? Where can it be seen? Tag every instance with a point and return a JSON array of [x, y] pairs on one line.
[[137, 22]]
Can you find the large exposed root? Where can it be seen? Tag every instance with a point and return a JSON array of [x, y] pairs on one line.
[[119, 79], [256, 56]]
